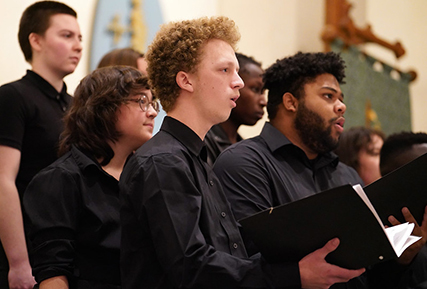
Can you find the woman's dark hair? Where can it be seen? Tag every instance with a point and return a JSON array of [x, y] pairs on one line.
[[352, 141], [91, 120], [121, 56], [291, 74]]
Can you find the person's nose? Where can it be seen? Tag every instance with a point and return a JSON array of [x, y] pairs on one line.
[[151, 112], [340, 107], [237, 81], [262, 99], [78, 45]]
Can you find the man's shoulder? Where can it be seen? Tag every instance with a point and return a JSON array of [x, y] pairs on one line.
[[254, 144], [18, 89], [161, 143], [250, 150], [162, 148]]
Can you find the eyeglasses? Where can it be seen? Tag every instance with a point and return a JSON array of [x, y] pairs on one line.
[[144, 103]]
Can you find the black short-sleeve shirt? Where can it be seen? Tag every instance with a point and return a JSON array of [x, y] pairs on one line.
[[31, 112]]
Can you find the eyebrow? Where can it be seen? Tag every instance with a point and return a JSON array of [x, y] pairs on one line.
[[228, 63], [333, 89]]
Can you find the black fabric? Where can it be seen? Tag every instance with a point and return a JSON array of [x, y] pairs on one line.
[[72, 221], [268, 170], [216, 141], [177, 227], [31, 112]]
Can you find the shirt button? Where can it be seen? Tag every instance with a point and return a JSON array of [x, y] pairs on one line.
[[223, 214], [211, 183], [58, 97], [235, 245]]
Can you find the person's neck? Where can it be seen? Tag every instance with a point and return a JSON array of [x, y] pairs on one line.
[[230, 129], [116, 164], [57, 81], [192, 120], [287, 129]]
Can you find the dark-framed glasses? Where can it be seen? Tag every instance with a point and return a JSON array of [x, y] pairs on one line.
[[144, 103]]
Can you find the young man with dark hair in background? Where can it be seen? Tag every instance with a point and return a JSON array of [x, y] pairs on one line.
[[31, 111]]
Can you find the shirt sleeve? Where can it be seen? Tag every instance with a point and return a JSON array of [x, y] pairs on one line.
[[12, 117], [171, 206], [51, 205]]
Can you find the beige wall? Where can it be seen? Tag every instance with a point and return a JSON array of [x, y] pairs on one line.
[[270, 29]]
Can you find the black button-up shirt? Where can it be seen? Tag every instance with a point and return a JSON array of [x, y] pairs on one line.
[[177, 227], [216, 141], [268, 171], [73, 222]]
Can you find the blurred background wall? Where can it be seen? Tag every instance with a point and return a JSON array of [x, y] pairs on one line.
[[271, 29]]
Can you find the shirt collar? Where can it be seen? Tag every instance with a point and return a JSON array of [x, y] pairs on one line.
[[84, 160], [276, 140], [220, 135], [45, 86], [185, 135]]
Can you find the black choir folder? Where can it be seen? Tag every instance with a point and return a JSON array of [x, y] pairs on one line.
[[291, 231]]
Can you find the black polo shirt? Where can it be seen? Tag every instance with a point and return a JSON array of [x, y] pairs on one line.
[[31, 112]]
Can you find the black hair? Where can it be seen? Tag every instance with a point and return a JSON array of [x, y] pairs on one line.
[[36, 19], [397, 145], [290, 74], [244, 60]]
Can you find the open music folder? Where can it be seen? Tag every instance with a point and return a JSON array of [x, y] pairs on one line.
[[354, 215]]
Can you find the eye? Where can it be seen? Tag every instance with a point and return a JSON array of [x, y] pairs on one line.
[[257, 90], [224, 70], [328, 95]]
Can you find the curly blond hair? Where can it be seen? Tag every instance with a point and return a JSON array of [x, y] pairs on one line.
[[177, 47]]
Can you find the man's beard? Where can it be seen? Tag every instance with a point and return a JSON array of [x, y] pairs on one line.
[[312, 131]]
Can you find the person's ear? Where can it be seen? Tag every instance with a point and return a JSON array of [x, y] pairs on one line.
[[35, 40], [184, 82], [290, 102]]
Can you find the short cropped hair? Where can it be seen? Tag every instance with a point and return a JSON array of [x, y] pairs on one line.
[[36, 19], [121, 56], [396, 145], [91, 120], [292, 73], [352, 141], [245, 60], [177, 47]]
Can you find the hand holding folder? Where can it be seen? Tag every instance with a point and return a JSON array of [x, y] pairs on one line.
[[291, 231]]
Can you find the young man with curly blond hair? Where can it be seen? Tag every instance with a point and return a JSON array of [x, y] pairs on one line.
[[177, 227]]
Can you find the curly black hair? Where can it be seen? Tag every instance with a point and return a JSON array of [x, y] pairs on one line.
[[290, 74]]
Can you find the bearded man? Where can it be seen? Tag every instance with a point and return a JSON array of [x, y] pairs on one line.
[[292, 158]]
